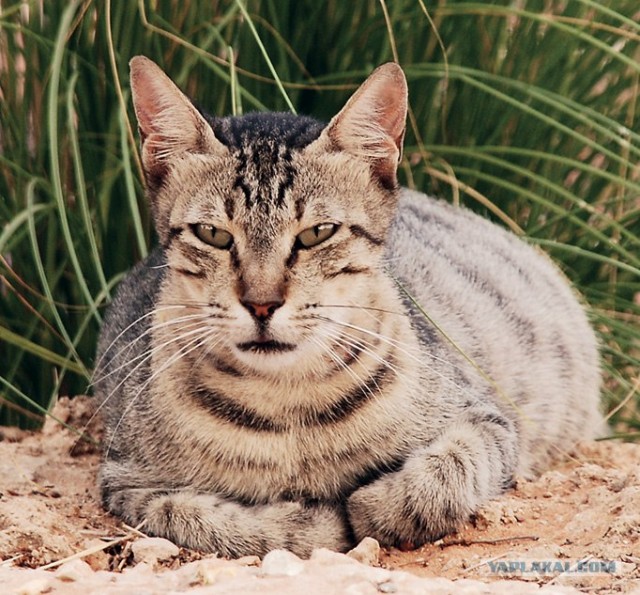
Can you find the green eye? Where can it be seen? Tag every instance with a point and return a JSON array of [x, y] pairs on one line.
[[213, 236], [315, 235]]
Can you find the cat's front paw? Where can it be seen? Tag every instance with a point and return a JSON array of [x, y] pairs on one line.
[[403, 511], [211, 523]]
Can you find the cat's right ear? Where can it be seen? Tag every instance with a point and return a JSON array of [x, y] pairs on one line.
[[371, 125], [169, 124]]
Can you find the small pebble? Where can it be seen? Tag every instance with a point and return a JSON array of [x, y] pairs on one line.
[[153, 550], [367, 551], [73, 571], [325, 557], [248, 561], [281, 563], [35, 586], [209, 574], [387, 587]]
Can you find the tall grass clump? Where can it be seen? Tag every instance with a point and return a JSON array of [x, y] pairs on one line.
[[525, 110]]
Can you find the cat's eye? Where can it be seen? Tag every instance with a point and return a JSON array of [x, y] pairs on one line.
[[214, 236], [315, 235]]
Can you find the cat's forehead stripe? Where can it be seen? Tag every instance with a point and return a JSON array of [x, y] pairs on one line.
[[286, 130], [263, 173], [263, 146]]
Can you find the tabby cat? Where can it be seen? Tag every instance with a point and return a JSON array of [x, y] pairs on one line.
[[313, 354]]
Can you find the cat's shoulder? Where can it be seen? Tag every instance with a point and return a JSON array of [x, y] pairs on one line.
[[145, 276], [436, 222], [438, 212]]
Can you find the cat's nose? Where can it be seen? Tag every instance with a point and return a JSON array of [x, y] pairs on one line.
[[262, 312]]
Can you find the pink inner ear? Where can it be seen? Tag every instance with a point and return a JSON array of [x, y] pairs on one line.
[[393, 110], [146, 98], [145, 111], [372, 123], [169, 123], [147, 107]]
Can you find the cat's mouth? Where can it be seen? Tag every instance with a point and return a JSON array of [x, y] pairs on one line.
[[266, 346]]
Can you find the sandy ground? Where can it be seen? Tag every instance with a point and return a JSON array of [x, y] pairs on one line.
[[587, 508]]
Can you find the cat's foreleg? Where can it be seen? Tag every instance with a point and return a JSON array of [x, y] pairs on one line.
[[440, 484], [211, 523]]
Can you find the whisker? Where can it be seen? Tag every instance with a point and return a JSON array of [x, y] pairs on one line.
[[157, 349], [341, 364], [197, 304], [151, 329], [182, 352], [206, 352], [368, 347], [359, 307], [345, 339], [401, 348], [129, 327], [141, 359]]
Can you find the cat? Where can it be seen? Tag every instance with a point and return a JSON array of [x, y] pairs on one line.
[[313, 354]]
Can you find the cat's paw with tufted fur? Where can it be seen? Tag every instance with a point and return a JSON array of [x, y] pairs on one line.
[[210, 523], [437, 488], [398, 513]]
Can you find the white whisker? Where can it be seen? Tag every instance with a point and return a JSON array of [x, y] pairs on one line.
[[177, 356], [130, 326], [341, 364], [151, 329], [144, 357], [366, 309], [400, 346], [347, 340]]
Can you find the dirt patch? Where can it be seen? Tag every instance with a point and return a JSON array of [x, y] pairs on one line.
[[587, 508]]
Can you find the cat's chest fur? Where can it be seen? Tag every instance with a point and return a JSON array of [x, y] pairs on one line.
[[260, 440]]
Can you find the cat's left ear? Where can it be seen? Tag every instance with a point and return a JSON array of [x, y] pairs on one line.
[[371, 125], [169, 123]]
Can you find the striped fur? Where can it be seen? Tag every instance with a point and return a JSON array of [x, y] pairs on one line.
[[268, 395]]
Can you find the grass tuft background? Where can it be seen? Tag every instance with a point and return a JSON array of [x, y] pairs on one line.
[[526, 110]]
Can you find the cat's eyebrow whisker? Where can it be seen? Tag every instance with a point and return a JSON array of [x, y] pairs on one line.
[[177, 356]]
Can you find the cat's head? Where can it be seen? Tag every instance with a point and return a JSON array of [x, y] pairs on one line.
[[273, 223]]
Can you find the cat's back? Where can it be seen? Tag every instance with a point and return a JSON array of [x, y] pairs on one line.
[[432, 240], [509, 309]]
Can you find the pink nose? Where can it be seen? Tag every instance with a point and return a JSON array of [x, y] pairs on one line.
[[262, 312]]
